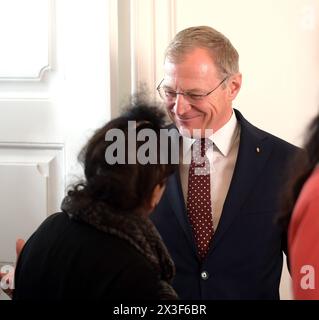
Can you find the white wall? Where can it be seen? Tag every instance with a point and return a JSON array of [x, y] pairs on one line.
[[277, 41]]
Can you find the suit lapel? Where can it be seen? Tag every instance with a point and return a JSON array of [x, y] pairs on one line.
[[254, 151], [176, 199], [249, 165]]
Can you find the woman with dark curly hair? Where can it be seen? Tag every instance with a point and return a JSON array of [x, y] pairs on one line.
[[301, 207], [102, 245]]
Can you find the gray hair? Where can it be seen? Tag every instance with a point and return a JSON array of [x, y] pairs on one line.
[[222, 52]]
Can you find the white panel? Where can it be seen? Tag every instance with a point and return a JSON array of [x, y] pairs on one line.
[[164, 32], [31, 189], [24, 50], [114, 55], [143, 44], [152, 27], [23, 199], [31, 120]]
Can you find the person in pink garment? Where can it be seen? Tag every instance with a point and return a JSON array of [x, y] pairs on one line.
[[302, 202]]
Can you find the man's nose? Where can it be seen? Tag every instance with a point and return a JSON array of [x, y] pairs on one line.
[[181, 105]]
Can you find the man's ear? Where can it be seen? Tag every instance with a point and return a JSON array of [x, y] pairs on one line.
[[234, 85]]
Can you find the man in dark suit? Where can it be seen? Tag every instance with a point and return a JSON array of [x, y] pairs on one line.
[[224, 241]]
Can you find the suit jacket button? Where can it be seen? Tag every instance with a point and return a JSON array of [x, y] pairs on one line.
[[204, 275]]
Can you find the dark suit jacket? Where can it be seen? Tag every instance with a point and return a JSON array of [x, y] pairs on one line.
[[245, 257]]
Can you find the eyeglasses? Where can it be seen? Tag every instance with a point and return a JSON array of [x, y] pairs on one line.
[[169, 96]]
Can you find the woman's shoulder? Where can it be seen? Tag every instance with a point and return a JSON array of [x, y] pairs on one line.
[[310, 190], [54, 219], [305, 213], [303, 237], [82, 241], [312, 183]]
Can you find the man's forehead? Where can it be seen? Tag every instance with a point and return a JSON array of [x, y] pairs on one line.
[[196, 68], [189, 77]]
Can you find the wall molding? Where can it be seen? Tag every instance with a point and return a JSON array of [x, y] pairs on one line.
[[153, 25], [33, 145], [47, 158], [140, 30], [114, 55]]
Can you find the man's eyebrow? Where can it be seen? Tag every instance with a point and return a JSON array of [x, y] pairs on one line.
[[194, 90], [167, 87]]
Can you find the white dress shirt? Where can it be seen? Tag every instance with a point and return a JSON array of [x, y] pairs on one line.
[[222, 158]]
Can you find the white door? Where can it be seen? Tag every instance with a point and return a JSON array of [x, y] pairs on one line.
[[54, 91]]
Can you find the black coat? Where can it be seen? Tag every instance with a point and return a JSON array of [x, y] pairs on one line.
[[246, 253], [69, 259]]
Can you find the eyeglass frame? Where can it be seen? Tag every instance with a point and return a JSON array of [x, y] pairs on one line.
[[198, 97]]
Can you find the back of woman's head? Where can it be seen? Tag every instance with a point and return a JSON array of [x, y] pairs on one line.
[[301, 168], [113, 173]]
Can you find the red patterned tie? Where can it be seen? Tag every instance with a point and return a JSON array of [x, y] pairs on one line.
[[199, 208]]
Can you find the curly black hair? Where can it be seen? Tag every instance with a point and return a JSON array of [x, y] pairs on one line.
[[123, 187]]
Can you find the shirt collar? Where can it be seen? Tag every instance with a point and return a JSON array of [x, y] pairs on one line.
[[222, 139]]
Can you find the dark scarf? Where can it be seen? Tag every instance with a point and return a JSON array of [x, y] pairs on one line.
[[138, 231]]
